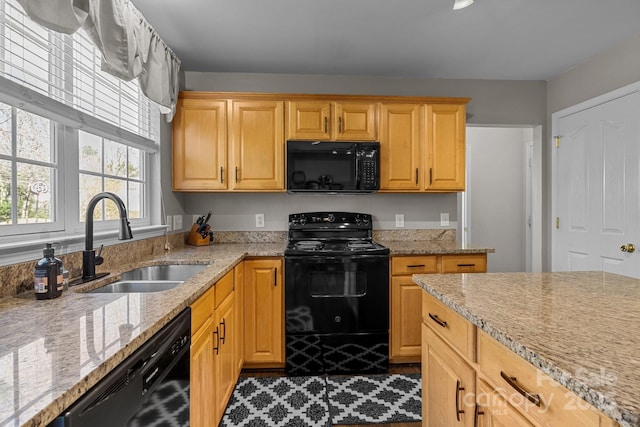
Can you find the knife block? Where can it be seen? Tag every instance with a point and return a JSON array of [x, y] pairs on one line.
[[195, 238]]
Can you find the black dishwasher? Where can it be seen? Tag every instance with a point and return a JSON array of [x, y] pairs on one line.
[[151, 387]]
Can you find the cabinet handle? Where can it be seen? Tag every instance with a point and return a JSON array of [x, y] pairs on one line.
[[275, 277], [339, 124], [430, 176], [458, 390], [224, 330], [476, 415], [512, 381], [416, 265], [466, 265], [326, 125], [236, 174], [221, 174], [416, 176], [435, 318], [217, 346]]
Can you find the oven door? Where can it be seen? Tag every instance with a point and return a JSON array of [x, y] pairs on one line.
[[336, 294]]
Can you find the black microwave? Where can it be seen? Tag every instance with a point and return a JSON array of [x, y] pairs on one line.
[[333, 167]]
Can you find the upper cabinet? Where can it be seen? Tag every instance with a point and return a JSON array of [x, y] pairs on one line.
[[257, 144], [236, 141], [330, 120], [422, 147], [200, 145]]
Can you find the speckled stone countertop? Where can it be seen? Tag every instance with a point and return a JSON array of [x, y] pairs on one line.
[[580, 328], [52, 351], [430, 247]]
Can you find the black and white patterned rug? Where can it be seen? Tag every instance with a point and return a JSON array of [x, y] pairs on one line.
[[316, 401]]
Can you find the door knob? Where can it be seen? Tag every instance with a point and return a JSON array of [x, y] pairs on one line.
[[629, 247]]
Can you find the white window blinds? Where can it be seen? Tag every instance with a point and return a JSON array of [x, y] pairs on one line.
[[67, 69]]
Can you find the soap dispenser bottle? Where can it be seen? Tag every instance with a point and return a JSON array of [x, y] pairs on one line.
[[48, 279]]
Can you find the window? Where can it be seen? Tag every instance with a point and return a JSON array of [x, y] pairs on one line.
[[106, 165], [28, 169], [67, 132]]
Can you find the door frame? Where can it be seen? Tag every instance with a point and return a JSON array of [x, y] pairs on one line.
[[555, 117]]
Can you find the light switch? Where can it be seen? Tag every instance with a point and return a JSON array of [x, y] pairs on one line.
[[177, 222]]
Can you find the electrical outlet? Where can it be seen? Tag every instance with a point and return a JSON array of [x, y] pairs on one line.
[[399, 220], [259, 220], [177, 222], [194, 218], [444, 219], [169, 222]]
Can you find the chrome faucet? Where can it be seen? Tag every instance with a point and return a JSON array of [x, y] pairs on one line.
[[89, 257]]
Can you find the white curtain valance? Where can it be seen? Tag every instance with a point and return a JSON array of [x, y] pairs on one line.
[[130, 47]]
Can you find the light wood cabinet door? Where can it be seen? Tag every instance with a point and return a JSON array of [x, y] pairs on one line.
[[327, 120], [401, 165], [493, 411], [448, 384], [263, 312], [202, 393], [405, 337], [225, 364], [445, 128], [238, 278], [257, 145], [200, 145], [308, 120], [354, 121]]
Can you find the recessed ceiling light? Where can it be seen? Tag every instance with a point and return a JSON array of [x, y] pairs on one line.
[[461, 4]]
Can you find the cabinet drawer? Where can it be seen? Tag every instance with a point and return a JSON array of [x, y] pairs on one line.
[[452, 327], [202, 309], [476, 263], [549, 403], [413, 264], [223, 288]]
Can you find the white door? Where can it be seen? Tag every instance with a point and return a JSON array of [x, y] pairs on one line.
[[597, 187]]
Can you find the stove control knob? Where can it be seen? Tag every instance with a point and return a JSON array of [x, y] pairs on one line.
[[337, 319], [302, 220], [365, 220], [358, 220], [331, 218]]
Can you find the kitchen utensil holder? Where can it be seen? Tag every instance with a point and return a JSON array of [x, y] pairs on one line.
[[195, 238]]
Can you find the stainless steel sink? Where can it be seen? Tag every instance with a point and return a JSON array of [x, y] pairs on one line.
[[132, 286], [154, 278], [179, 272]]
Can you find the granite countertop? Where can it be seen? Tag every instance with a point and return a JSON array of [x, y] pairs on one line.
[[431, 247], [580, 328], [52, 351]]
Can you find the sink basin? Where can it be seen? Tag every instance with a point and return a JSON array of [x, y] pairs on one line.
[[154, 278], [180, 272], [132, 286]]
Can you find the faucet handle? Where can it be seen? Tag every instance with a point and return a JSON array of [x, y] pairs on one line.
[[98, 259]]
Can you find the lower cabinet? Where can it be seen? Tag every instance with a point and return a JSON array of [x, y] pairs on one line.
[[263, 313], [469, 379], [406, 297], [448, 384], [214, 365]]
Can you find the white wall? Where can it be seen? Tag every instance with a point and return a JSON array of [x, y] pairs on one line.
[[496, 203]]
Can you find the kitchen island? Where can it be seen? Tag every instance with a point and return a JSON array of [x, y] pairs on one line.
[[578, 328]]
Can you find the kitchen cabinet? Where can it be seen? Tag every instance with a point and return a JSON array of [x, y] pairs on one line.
[[238, 279], [214, 364], [331, 120], [201, 390], [448, 384], [263, 313], [405, 311], [464, 369], [401, 147], [422, 147], [200, 145], [257, 145], [445, 143]]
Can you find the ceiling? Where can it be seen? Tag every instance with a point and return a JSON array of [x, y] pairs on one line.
[[491, 39]]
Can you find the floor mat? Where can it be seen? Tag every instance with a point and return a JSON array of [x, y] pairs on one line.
[[319, 401]]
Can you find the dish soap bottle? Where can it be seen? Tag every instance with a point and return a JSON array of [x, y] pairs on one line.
[[48, 279]]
